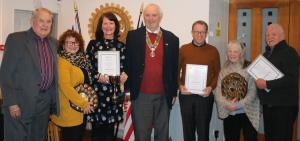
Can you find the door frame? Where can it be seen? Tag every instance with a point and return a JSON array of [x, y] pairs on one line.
[[257, 7]]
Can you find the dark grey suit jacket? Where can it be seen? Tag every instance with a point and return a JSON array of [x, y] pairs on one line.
[[135, 60], [20, 74]]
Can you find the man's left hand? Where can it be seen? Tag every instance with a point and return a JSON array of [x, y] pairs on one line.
[[207, 91]]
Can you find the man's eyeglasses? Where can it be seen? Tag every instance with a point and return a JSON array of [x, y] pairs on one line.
[[199, 32], [72, 43]]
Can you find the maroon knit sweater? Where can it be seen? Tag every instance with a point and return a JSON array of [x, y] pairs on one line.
[[203, 55]]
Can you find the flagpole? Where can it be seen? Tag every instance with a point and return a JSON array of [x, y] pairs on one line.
[[141, 12], [77, 16], [2, 22]]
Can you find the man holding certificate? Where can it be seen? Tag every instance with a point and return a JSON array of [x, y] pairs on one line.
[[280, 101], [199, 63], [151, 65]]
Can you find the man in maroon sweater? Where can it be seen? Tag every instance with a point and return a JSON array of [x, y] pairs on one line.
[[151, 65]]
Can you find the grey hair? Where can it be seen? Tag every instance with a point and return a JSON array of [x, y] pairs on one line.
[[35, 13], [154, 5], [242, 50]]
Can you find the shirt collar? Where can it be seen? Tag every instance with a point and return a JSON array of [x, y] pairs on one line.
[[36, 36], [204, 43], [155, 31]]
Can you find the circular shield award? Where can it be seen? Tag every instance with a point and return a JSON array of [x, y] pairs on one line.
[[88, 93], [234, 86]]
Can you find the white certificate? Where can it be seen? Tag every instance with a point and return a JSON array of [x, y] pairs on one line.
[[109, 62], [195, 78], [264, 69]]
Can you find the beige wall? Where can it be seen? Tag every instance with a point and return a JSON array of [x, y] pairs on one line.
[[7, 8], [178, 15]]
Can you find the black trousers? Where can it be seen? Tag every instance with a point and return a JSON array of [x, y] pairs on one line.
[[74, 133], [233, 126], [103, 132], [278, 122], [196, 113]]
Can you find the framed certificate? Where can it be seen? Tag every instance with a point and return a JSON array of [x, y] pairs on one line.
[[195, 78], [109, 62], [264, 69]]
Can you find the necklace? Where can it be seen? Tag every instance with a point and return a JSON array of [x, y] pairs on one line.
[[154, 46]]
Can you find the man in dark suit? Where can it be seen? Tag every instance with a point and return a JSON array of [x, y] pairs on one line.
[[151, 65], [28, 77], [280, 104]]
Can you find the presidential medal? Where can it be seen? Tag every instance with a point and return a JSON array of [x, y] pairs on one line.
[[153, 46]]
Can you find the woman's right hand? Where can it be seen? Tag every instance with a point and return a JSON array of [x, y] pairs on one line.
[[89, 109], [123, 77]]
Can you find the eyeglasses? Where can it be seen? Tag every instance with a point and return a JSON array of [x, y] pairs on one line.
[[199, 32], [72, 43]]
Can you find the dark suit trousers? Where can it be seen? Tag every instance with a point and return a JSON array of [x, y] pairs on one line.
[[29, 128], [150, 111], [233, 125], [278, 122], [196, 114]]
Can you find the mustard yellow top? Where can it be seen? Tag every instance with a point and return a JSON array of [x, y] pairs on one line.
[[69, 76]]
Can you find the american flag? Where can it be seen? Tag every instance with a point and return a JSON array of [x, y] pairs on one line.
[[76, 26], [128, 126]]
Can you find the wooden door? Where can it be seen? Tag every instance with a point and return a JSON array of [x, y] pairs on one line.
[[287, 14]]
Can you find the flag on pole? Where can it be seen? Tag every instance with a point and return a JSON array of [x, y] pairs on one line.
[[141, 12], [76, 26], [128, 126], [142, 23]]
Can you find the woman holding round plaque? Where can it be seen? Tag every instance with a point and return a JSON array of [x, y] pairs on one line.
[[237, 102], [109, 87], [73, 70]]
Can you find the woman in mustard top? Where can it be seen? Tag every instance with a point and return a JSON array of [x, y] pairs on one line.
[[73, 69]]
